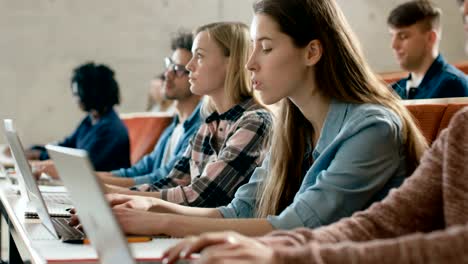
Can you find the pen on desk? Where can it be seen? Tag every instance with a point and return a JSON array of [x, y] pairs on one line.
[[130, 239]]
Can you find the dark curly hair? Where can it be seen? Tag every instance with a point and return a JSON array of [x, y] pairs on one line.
[[96, 87]]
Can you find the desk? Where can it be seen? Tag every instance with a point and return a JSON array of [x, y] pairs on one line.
[[23, 248]]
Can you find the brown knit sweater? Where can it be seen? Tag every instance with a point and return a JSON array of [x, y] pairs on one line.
[[423, 221]]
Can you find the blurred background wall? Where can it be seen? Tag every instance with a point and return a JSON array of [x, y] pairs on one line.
[[43, 40]]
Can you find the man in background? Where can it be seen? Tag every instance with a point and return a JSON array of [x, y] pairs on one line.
[[176, 137], [416, 32]]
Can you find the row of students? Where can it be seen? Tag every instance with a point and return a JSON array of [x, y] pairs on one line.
[[231, 142], [323, 164], [227, 147], [423, 221], [341, 141], [416, 33]]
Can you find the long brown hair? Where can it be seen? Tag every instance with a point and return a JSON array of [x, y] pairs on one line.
[[342, 73]]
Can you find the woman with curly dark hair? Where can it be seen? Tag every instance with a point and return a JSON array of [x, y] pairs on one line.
[[101, 132]]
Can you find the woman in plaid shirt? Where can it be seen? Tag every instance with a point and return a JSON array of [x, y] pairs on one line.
[[232, 141]]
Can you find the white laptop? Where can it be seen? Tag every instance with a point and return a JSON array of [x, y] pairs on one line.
[[93, 209], [94, 212], [57, 226], [57, 201]]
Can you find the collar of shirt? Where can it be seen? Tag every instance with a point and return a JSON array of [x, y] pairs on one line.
[[412, 83], [108, 115], [334, 121], [191, 120], [232, 114], [435, 68]]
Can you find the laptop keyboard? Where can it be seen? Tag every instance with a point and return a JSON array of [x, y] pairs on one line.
[[66, 232], [57, 198]]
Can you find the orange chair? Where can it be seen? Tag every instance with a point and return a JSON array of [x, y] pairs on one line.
[[144, 130], [428, 118], [449, 112], [433, 115], [463, 66]]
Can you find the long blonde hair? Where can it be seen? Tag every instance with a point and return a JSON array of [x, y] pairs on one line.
[[233, 38], [342, 73]]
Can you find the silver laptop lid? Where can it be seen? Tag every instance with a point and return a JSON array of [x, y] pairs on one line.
[[93, 209], [26, 181], [11, 136]]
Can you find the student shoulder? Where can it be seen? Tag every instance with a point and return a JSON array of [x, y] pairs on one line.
[[365, 115]]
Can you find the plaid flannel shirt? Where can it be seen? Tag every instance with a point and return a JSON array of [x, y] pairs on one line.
[[220, 158]]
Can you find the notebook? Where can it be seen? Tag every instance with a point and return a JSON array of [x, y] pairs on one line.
[[93, 209], [57, 202]]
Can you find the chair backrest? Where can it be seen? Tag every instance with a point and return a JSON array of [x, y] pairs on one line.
[[144, 130], [433, 115], [449, 112], [462, 66], [428, 118]]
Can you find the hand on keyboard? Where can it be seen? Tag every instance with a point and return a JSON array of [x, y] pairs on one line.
[[74, 220], [44, 167], [131, 201]]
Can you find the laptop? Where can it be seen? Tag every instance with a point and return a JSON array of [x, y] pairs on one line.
[[94, 212], [57, 226], [56, 198]]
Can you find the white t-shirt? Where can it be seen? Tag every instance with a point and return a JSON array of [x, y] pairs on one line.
[[412, 83], [172, 143]]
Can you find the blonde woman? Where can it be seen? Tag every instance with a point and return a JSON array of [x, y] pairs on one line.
[[342, 139], [231, 142]]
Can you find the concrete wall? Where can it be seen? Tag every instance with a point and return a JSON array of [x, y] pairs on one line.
[[43, 40]]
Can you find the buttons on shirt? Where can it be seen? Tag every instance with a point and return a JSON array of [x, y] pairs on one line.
[[412, 92]]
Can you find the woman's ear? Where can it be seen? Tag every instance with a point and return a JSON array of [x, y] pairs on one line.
[[314, 52]]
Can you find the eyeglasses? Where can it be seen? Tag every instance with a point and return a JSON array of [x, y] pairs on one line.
[[177, 69]]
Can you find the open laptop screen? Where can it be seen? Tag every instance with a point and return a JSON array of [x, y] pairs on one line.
[[94, 211]]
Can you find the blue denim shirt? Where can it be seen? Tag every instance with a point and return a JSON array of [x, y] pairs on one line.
[[150, 168], [358, 158], [440, 81]]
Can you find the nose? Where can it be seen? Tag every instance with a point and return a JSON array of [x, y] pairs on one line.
[[190, 65], [252, 64], [395, 43]]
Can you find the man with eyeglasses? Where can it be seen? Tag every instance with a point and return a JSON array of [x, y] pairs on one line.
[[176, 137]]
